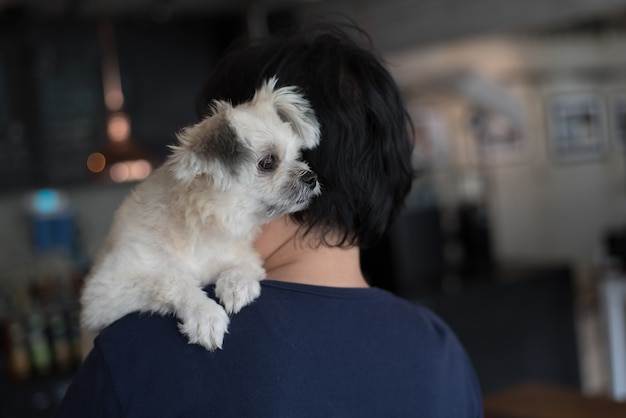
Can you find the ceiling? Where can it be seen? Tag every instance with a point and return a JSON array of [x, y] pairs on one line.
[[132, 7], [393, 24]]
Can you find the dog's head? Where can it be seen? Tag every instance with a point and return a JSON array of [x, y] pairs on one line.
[[253, 149]]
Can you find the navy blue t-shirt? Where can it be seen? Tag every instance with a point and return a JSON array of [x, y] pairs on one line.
[[297, 351]]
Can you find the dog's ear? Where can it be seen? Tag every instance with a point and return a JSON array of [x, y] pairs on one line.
[[213, 148], [293, 108]]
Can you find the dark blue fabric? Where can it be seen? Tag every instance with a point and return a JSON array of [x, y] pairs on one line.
[[298, 351]]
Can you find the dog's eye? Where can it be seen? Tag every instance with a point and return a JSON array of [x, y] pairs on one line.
[[268, 163]]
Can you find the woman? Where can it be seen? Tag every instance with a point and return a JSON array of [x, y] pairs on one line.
[[319, 341]]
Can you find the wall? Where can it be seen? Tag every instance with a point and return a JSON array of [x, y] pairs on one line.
[[541, 209]]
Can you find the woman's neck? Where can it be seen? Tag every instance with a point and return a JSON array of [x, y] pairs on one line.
[[323, 266], [288, 257]]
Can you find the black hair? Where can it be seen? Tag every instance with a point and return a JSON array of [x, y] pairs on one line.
[[364, 158]]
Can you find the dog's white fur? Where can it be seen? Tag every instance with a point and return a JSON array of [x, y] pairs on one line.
[[193, 221]]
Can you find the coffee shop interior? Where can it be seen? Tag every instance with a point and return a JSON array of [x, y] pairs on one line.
[[514, 231]]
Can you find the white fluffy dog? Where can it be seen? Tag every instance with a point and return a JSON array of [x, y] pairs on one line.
[[193, 221]]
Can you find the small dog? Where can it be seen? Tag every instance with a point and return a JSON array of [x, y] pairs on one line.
[[193, 221]]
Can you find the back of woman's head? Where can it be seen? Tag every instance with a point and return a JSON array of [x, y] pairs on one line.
[[364, 158]]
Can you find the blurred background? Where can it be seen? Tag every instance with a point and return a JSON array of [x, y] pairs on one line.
[[515, 232]]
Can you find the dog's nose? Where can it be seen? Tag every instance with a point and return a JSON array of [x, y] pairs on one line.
[[309, 178]]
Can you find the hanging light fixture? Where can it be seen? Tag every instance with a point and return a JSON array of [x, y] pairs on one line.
[[121, 159]]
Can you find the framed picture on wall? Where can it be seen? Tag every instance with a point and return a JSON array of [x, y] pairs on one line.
[[618, 120], [495, 138], [577, 127]]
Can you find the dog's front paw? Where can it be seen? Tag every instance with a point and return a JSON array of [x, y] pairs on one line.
[[235, 291], [205, 324]]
